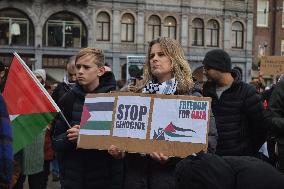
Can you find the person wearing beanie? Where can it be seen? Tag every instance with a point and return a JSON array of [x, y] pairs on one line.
[[40, 75], [239, 113], [219, 60]]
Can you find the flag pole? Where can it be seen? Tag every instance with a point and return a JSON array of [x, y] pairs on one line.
[[65, 119], [42, 88]]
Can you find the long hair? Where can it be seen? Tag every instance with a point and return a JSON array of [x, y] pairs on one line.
[[181, 70]]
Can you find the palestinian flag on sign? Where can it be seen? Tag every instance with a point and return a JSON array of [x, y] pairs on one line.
[[29, 105], [172, 130], [97, 116]]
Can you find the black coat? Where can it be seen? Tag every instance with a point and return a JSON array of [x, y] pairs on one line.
[[209, 171], [276, 105], [240, 120], [80, 168]]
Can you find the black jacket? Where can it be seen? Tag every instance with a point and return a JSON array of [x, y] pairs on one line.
[[209, 171], [60, 90], [80, 168], [240, 119], [276, 105]]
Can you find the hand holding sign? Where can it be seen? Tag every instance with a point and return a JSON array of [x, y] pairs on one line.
[[160, 157], [115, 152]]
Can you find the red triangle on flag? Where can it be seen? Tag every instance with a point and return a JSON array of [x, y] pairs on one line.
[[22, 92], [170, 128], [85, 116]]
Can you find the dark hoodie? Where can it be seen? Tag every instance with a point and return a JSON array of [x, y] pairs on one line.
[[86, 169]]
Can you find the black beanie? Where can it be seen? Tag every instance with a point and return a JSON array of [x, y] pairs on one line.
[[218, 59]]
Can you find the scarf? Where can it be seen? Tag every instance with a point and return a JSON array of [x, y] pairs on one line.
[[167, 87]]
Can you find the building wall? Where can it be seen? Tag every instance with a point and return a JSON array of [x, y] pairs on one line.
[[269, 37], [184, 11]]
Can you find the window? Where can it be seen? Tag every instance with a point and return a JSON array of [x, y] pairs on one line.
[[170, 27], [154, 27], [212, 33], [197, 32], [262, 13], [64, 30], [15, 28], [282, 47], [127, 28], [237, 35], [103, 27]]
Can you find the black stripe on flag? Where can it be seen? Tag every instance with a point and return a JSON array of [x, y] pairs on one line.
[[100, 106]]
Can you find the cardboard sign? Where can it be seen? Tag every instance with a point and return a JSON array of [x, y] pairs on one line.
[[272, 65], [141, 123]]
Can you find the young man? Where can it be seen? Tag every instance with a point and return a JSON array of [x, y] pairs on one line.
[[237, 108], [80, 168]]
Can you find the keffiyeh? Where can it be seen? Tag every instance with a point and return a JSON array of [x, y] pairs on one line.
[[167, 87]]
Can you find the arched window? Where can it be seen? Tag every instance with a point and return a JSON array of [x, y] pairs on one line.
[[64, 30], [237, 35], [154, 27], [212, 33], [197, 32], [127, 28], [103, 27], [15, 28], [170, 27]]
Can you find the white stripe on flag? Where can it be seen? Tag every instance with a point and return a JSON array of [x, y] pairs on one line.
[[101, 116], [94, 132], [99, 99], [12, 117]]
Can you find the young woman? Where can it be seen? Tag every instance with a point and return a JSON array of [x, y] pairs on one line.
[[166, 72]]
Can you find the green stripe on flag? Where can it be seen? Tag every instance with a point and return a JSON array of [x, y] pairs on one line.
[[175, 135], [98, 125], [27, 126]]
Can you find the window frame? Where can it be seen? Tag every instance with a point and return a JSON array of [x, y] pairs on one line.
[[170, 29], [213, 31], [262, 12], [236, 33], [102, 24], [153, 27], [128, 26], [195, 32]]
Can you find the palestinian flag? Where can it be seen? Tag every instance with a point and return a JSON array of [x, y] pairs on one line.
[[97, 116], [173, 131], [29, 105]]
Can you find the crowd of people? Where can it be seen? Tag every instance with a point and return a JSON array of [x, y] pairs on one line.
[[242, 120]]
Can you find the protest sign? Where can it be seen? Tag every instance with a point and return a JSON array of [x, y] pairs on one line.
[[272, 65], [174, 125], [135, 66]]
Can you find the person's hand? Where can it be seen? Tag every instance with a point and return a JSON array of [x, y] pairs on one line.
[[115, 152], [131, 87], [73, 133], [160, 157]]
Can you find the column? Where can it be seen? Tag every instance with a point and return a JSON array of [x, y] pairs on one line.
[[140, 31]]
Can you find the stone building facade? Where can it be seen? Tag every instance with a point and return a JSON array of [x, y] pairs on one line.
[[47, 32]]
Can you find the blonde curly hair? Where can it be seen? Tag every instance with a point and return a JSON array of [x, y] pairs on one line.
[[181, 70]]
